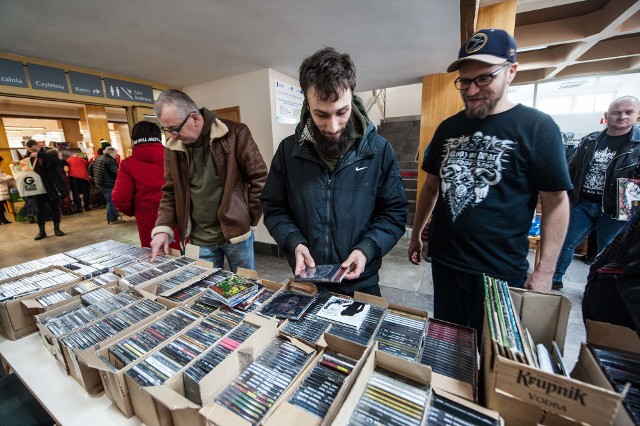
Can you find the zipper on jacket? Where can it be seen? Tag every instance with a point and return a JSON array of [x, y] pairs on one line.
[[328, 213]]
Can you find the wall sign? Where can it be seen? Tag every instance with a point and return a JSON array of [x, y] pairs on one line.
[[86, 84], [289, 100], [127, 91], [12, 73], [47, 78]]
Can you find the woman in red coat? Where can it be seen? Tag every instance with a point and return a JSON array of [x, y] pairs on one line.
[[140, 177]]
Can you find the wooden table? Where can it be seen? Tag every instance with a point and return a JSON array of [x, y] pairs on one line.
[[64, 399]]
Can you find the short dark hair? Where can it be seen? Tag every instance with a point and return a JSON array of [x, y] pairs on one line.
[[31, 143], [329, 72], [145, 129]]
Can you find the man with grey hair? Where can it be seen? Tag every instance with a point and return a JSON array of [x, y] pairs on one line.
[[598, 162], [104, 171], [214, 176]]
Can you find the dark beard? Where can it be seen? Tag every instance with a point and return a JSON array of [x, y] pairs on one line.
[[332, 148], [482, 111]]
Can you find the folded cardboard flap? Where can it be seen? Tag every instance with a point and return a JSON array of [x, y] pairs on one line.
[[344, 346], [409, 310], [32, 304], [368, 298], [613, 336], [545, 315], [170, 398], [237, 361]]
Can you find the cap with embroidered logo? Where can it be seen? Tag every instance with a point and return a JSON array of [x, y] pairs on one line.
[[491, 46]]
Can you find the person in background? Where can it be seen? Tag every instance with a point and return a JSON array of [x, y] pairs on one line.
[[104, 144], [486, 167], [4, 194], [214, 176], [49, 168], [334, 194], [598, 162], [79, 181], [140, 178], [104, 172]]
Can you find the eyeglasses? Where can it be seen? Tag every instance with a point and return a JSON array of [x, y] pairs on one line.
[[177, 129], [479, 81]]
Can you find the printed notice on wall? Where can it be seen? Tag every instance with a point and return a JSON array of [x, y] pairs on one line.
[[288, 103]]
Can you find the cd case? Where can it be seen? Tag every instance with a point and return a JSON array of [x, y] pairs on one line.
[[345, 311], [288, 304], [323, 274]]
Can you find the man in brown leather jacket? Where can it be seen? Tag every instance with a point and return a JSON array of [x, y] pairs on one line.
[[214, 176]]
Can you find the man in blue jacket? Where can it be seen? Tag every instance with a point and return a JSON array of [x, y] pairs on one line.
[[334, 194], [598, 162]]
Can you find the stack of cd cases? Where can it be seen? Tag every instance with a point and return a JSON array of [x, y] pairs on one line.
[[450, 349]]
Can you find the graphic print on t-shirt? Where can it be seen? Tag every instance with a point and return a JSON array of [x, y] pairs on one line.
[[594, 181], [471, 164]]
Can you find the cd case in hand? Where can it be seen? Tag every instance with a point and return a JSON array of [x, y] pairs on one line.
[[323, 274], [344, 311]]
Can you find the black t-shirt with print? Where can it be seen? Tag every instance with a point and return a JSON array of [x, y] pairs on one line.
[[490, 173], [605, 151]]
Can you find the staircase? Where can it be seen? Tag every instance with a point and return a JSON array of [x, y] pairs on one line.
[[404, 135]]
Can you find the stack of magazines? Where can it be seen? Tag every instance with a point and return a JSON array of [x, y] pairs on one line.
[[233, 290], [514, 341]]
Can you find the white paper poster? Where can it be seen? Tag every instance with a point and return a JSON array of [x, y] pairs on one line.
[[288, 103]]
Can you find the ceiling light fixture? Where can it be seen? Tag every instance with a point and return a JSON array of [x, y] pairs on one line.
[[532, 48], [24, 128], [571, 84]]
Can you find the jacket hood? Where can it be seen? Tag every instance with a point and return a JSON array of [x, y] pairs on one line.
[[152, 153], [218, 129]]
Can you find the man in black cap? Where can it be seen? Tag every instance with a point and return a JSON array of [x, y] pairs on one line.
[[485, 168]]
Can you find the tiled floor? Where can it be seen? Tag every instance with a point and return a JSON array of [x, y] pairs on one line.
[[401, 281]]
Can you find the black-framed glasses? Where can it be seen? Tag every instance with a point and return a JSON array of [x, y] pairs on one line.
[[177, 129], [479, 81]]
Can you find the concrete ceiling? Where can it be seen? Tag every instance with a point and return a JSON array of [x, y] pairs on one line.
[[183, 43]]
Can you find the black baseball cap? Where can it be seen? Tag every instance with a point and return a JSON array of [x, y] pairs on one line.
[[491, 46]]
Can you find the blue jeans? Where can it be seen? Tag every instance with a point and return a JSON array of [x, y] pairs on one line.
[[585, 216], [238, 254], [112, 214]]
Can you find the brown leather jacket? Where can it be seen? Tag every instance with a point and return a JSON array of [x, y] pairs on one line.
[[242, 173]]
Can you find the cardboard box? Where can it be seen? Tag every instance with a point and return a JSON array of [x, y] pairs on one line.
[[16, 320], [38, 308], [411, 370], [111, 373], [587, 368], [525, 395], [229, 369], [149, 284], [87, 376], [287, 414], [247, 273], [464, 389], [48, 339], [167, 404]]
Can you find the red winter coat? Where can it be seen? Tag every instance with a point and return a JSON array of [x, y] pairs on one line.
[[137, 189]]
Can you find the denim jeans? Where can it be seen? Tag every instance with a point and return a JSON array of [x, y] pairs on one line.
[[238, 254], [112, 214], [585, 216]]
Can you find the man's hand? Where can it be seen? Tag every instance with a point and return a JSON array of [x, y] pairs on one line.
[[159, 245], [539, 281], [356, 261], [415, 250], [303, 259]]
